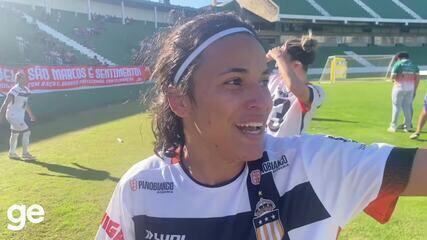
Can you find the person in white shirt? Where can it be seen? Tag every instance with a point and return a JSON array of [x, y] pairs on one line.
[[13, 109], [295, 100], [216, 174]]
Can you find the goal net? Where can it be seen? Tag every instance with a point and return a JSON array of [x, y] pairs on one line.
[[357, 68]]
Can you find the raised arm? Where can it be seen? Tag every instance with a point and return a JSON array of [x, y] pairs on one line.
[[288, 75]]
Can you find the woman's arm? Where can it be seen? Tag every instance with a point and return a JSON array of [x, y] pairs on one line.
[[417, 82], [288, 75], [30, 113], [6, 102], [417, 185]]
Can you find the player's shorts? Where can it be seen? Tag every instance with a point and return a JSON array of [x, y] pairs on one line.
[[425, 103], [17, 122]]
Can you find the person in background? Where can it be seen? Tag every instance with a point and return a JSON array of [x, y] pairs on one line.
[[405, 76], [295, 100], [421, 121], [13, 109]]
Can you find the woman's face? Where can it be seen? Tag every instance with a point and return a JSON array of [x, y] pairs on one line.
[[232, 101], [22, 79]]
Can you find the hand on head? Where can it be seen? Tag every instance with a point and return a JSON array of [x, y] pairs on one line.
[[277, 53], [274, 54]]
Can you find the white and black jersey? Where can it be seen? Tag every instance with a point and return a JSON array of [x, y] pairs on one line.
[[304, 187], [289, 116], [20, 100], [15, 111]]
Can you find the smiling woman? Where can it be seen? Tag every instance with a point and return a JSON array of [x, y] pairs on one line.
[[216, 175]]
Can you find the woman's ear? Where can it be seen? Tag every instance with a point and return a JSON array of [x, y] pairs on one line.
[[299, 70], [297, 65], [178, 102]]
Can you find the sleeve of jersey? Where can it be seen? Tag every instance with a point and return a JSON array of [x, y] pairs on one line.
[[395, 69], [317, 96], [347, 176], [395, 179], [117, 221], [12, 92]]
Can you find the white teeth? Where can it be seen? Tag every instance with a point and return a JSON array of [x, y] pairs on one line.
[[251, 128], [251, 124]]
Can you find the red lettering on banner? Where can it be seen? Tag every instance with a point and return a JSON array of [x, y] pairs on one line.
[[54, 78], [112, 228]]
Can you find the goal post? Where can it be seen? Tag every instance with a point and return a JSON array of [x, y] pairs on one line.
[[357, 68]]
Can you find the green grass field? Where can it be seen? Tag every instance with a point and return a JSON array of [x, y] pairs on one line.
[[80, 161]]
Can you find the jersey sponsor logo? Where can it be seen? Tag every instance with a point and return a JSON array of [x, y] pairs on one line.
[[162, 236], [159, 187], [256, 177], [112, 228], [267, 223], [273, 166]]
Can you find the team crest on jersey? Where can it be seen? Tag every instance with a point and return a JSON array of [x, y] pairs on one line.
[[273, 166], [133, 185], [267, 223], [256, 177]]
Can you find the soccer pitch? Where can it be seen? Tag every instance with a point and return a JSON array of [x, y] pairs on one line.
[[81, 160]]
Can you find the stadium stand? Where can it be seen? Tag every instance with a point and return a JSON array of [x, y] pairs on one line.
[[387, 9], [372, 11], [343, 8], [296, 7], [420, 7], [418, 54], [104, 34], [23, 43]]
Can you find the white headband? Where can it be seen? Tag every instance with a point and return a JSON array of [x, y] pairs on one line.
[[202, 47]]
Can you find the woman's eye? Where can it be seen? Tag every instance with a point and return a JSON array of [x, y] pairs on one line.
[[236, 81]]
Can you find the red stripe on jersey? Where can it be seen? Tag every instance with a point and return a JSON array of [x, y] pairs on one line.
[[382, 207], [396, 176], [305, 108]]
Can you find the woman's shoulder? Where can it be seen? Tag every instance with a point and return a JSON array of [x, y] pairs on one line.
[[273, 142], [146, 166], [303, 141]]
